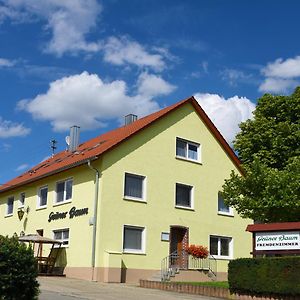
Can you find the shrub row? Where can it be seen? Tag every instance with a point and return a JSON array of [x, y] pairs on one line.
[[18, 271], [265, 276]]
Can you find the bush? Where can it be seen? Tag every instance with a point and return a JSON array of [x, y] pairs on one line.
[[265, 276], [18, 271]]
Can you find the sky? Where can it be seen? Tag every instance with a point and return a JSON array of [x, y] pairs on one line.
[[91, 62]]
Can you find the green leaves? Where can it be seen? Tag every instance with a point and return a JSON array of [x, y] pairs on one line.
[[269, 148], [18, 270]]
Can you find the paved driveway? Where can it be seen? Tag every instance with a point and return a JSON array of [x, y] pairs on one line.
[[60, 288]]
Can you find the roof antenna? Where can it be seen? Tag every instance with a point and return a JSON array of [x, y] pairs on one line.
[[53, 146]]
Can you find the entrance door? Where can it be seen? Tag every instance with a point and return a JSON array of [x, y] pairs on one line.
[[178, 246]]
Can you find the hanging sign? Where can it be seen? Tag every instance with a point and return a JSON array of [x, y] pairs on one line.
[[73, 212], [285, 240]]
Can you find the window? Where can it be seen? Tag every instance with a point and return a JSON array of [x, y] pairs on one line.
[[222, 208], [62, 235], [10, 206], [221, 247], [184, 197], [187, 150], [64, 191], [134, 239], [22, 200], [42, 196], [134, 187]]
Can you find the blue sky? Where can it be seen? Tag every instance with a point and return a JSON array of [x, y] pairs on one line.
[[89, 63]]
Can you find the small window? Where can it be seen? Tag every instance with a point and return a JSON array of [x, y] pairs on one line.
[[134, 239], [64, 191], [223, 209], [22, 200], [134, 187], [62, 235], [187, 150], [10, 206], [220, 246], [184, 197], [43, 196]]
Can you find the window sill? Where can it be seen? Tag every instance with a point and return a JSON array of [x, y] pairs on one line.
[[184, 207], [8, 215], [62, 203], [225, 214], [222, 257], [134, 199], [133, 252], [41, 207], [189, 160]]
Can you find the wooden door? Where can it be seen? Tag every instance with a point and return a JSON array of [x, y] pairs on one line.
[[178, 246]]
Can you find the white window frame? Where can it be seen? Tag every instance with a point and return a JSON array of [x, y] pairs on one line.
[[224, 213], [62, 239], [143, 241], [230, 250], [21, 205], [8, 214], [191, 207], [39, 206], [65, 192], [186, 157], [144, 185]]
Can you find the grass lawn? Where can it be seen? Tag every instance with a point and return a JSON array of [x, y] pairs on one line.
[[223, 284]]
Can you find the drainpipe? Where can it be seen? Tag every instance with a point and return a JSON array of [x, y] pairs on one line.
[[95, 216]]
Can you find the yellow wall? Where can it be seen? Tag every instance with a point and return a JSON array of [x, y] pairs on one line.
[[150, 153], [79, 251]]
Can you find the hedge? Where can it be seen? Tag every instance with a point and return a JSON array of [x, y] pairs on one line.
[[265, 276], [18, 271]]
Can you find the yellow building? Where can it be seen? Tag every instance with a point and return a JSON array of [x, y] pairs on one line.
[[122, 202]]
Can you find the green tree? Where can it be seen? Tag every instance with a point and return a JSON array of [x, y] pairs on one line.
[[18, 271], [268, 147]]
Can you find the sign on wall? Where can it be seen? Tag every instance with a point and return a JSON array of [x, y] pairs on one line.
[[285, 240], [73, 212]]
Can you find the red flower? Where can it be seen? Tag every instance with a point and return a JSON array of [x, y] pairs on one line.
[[198, 251]]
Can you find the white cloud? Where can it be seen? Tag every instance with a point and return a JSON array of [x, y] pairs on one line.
[[226, 114], [6, 62], [289, 68], [69, 21], [151, 85], [87, 101], [22, 167], [121, 51], [11, 129], [281, 75], [278, 85]]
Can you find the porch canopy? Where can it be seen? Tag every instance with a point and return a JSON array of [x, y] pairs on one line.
[[45, 263]]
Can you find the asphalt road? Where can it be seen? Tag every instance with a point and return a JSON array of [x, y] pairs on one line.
[[53, 288]]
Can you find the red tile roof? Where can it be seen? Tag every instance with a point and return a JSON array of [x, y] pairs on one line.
[[94, 148], [285, 226]]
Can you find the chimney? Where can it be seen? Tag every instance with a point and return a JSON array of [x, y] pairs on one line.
[[130, 119], [74, 138]]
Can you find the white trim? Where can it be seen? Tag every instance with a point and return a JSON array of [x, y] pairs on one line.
[[144, 188], [38, 206], [55, 202], [13, 204], [20, 204], [230, 247], [191, 195], [61, 230], [189, 142], [143, 242]]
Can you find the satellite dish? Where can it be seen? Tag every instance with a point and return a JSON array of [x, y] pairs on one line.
[[67, 139]]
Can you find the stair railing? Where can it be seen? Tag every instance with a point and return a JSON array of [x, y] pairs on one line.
[[169, 266], [207, 264]]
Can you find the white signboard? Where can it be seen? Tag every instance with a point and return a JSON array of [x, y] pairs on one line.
[[285, 240]]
